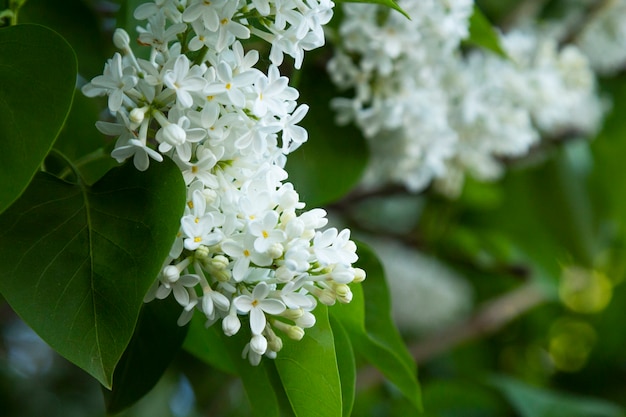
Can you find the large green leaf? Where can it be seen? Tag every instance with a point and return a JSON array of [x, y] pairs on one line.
[[367, 319], [308, 369], [155, 343], [77, 260], [37, 78]]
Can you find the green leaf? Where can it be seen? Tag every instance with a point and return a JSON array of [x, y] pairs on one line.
[[260, 382], [530, 401], [208, 346], [482, 33], [388, 3], [77, 260], [78, 24], [37, 78], [82, 143], [331, 163], [346, 364], [367, 319], [308, 369], [155, 343]]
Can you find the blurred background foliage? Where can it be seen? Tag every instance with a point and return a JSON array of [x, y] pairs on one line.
[[517, 302]]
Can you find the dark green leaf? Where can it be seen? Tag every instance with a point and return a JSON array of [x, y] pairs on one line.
[[78, 260], [367, 319], [82, 143], [483, 34], [308, 369], [530, 401], [37, 78], [332, 161], [260, 382], [346, 364], [78, 24], [208, 346], [388, 3], [155, 343]]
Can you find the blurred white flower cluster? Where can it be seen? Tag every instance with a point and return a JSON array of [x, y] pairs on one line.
[[603, 36], [245, 246], [432, 112]]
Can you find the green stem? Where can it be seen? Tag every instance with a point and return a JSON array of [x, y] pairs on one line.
[[73, 167], [12, 12]]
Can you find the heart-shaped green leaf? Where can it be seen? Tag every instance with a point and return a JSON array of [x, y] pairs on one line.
[[77, 260], [308, 369], [37, 79]]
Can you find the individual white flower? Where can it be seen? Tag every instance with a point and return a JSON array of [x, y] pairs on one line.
[[273, 94], [202, 231], [116, 81], [264, 229], [179, 136], [138, 150], [228, 86], [331, 247], [257, 304], [207, 11], [241, 248], [185, 81]]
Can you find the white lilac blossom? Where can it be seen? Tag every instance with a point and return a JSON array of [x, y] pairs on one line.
[[603, 38], [431, 112], [245, 247]]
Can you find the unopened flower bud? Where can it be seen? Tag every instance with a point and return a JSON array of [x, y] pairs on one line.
[[275, 344], [306, 321], [231, 325], [137, 115], [172, 134], [276, 250], [219, 262], [171, 274], [258, 344], [283, 274], [121, 40], [344, 295], [202, 253], [295, 333], [327, 297], [359, 275], [292, 314]]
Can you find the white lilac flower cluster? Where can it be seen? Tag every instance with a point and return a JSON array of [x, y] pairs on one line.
[[432, 113], [603, 38], [245, 246]]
